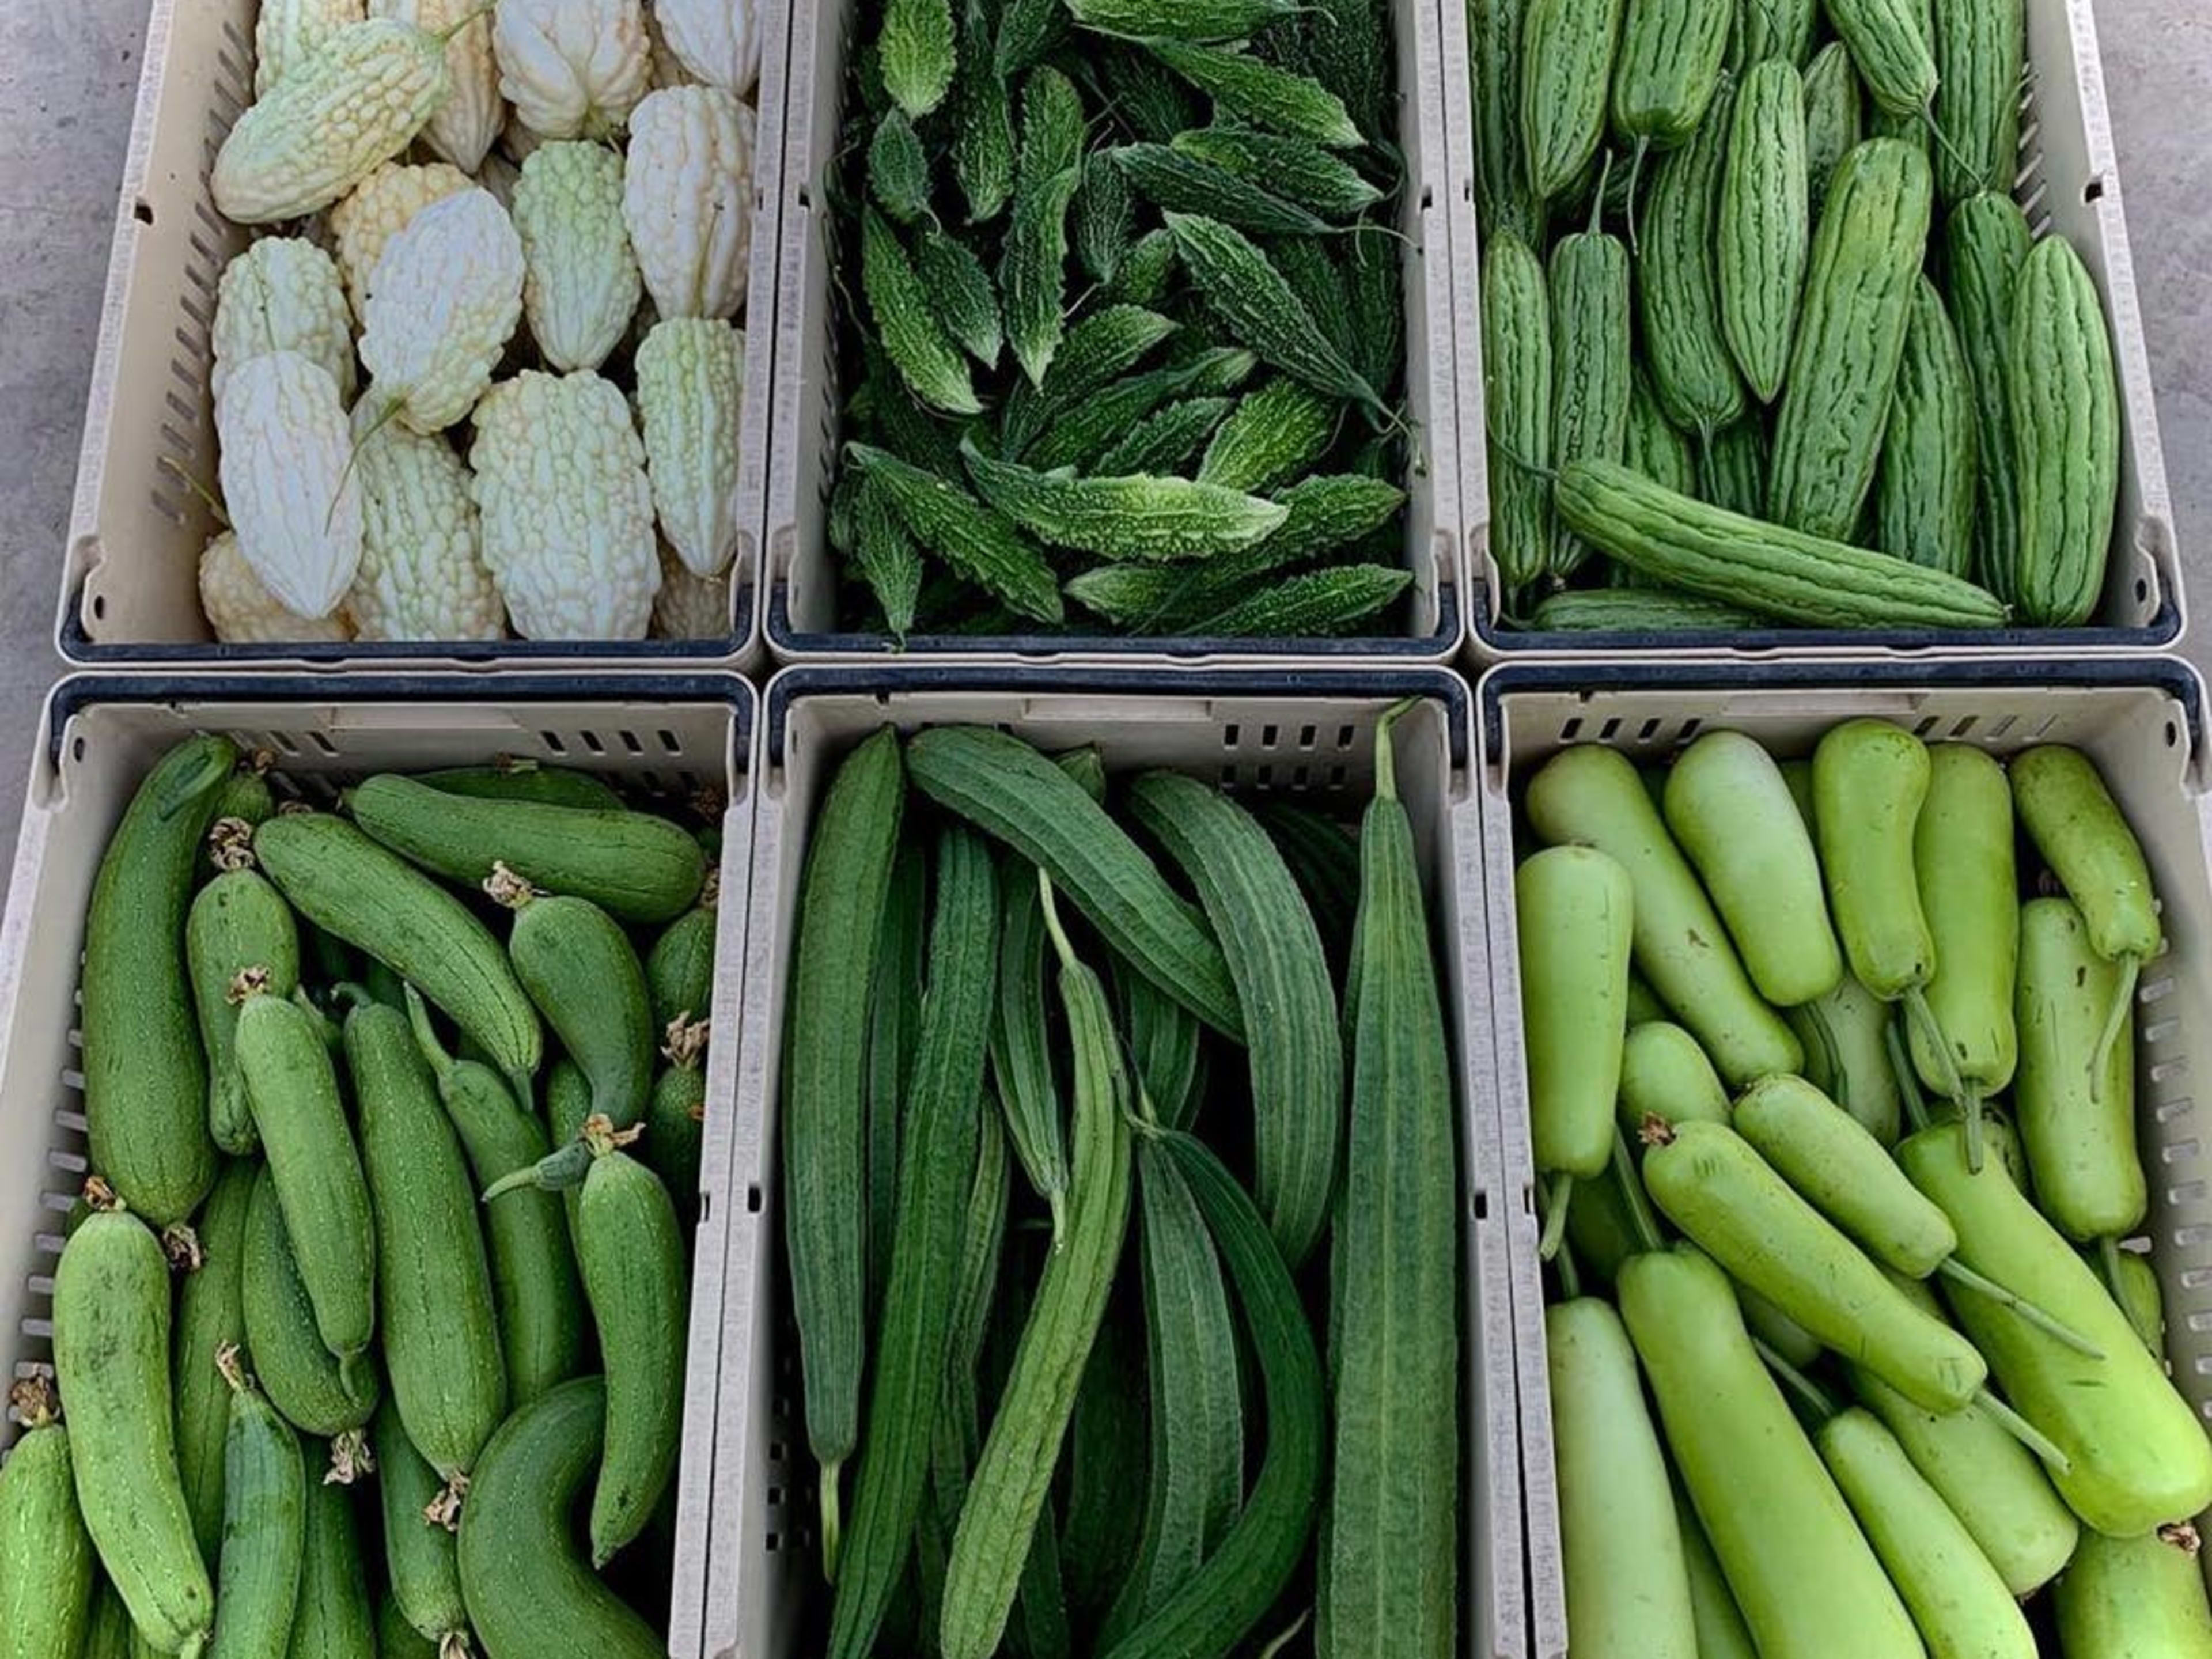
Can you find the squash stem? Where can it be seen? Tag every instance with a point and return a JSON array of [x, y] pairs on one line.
[[1908, 1080], [2027, 1433], [1959, 1273], [2115, 1019], [1570, 1275], [833, 1527], [1386, 759], [208, 497], [1557, 1198], [1640, 1219], [1814, 1396]]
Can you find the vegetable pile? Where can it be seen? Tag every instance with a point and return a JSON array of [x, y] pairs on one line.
[[1060, 1253], [1190, 426], [1895, 1386], [434, 176], [1774, 345], [303, 1364]]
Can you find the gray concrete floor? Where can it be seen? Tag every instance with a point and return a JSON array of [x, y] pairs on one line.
[[69, 75]]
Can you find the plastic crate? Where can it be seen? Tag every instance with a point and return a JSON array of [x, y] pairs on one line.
[[673, 737], [2142, 722], [1306, 736], [817, 256], [2068, 182], [129, 580]]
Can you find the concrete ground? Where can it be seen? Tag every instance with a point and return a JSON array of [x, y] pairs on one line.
[[69, 76]]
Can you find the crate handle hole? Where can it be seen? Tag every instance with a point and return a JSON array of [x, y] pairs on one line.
[[143, 212], [2093, 191]]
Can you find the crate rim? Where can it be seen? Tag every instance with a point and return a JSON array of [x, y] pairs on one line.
[[1502, 647], [475, 657], [792, 647], [2170, 674], [73, 694], [798, 681]]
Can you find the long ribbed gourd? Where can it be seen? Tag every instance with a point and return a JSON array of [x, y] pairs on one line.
[[1986, 244], [1768, 567], [1889, 43], [1980, 48], [1765, 224], [1005, 787], [824, 1099], [1012, 1477], [1568, 49], [1195, 1482], [937, 1167], [1274, 954], [1502, 200], [1851, 338], [1516, 380], [1243, 1579], [1670, 68], [1590, 344], [1389, 1581], [1924, 499], [2066, 435], [1835, 118], [1684, 346]]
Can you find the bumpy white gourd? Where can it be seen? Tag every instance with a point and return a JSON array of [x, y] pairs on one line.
[[350, 105], [690, 607], [282, 294], [581, 283], [287, 32], [285, 483], [423, 574], [242, 611], [378, 210], [687, 199], [572, 69], [467, 122], [566, 510], [443, 300], [691, 394], [716, 40]]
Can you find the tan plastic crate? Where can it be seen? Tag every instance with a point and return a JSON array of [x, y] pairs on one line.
[[2069, 183], [1308, 736], [100, 738], [130, 580], [800, 613], [2144, 724]]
